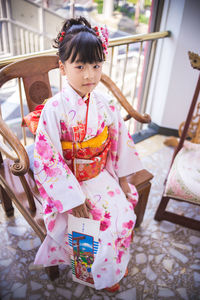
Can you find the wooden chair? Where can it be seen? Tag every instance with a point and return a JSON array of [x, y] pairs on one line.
[[16, 180], [185, 165]]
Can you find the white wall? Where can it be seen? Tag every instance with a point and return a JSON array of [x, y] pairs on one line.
[[36, 18], [173, 79], [25, 12]]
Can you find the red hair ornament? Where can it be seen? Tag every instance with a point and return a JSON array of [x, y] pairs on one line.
[[102, 33], [62, 35]]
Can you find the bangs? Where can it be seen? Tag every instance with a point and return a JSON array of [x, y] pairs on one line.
[[86, 48]]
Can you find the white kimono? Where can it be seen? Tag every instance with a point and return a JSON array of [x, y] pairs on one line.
[[61, 191]]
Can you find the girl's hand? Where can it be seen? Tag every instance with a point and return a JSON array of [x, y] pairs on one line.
[[82, 211], [132, 198], [124, 186]]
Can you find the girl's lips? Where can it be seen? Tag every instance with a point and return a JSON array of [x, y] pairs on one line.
[[88, 84]]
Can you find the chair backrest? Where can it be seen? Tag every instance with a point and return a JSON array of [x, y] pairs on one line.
[[193, 133], [195, 62], [34, 73]]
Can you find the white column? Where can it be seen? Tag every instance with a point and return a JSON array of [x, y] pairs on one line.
[[10, 27], [41, 27], [108, 7], [72, 9], [4, 32]]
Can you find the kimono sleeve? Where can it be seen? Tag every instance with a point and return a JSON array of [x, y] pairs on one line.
[[57, 185], [123, 155]]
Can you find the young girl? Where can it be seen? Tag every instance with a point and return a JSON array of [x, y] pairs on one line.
[[83, 153]]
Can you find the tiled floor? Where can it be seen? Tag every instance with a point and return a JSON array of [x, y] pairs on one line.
[[165, 261]]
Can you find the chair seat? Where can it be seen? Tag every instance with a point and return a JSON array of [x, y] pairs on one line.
[[184, 178]]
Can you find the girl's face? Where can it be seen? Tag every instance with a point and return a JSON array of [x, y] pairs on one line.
[[83, 78]]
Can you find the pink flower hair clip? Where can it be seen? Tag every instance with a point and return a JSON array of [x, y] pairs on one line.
[[62, 34], [102, 33]]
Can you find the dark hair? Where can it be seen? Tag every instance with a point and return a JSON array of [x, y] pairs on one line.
[[77, 40]]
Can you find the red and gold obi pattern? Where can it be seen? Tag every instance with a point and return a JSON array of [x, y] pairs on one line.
[[88, 158]]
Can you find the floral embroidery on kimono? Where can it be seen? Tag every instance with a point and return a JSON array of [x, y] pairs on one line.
[[61, 191]]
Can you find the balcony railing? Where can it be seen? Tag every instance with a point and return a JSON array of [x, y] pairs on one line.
[[124, 65]]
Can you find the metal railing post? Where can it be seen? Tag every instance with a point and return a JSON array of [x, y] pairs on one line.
[[41, 27]]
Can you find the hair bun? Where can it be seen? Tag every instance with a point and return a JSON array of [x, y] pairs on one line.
[[79, 22], [75, 21]]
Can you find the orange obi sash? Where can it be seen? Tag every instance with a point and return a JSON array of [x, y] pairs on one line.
[[87, 159]]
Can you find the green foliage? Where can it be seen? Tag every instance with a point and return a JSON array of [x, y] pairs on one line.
[[132, 1], [146, 4], [125, 12], [99, 6], [142, 18]]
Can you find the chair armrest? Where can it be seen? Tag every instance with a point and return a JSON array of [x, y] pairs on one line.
[[140, 178], [21, 164], [145, 118]]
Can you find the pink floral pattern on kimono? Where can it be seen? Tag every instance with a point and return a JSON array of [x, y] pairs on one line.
[[60, 190]]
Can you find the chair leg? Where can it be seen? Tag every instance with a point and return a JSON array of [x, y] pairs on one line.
[[53, 272], [6, 203], [162, 214], [161, 208], [142, 203]]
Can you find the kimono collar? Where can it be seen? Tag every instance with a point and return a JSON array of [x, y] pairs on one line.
[[74, 104], [85, 98]]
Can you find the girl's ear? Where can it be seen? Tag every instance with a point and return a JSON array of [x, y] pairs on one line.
[[62, 68]]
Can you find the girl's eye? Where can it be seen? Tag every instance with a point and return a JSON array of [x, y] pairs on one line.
[[79, 67], [96, 67]]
